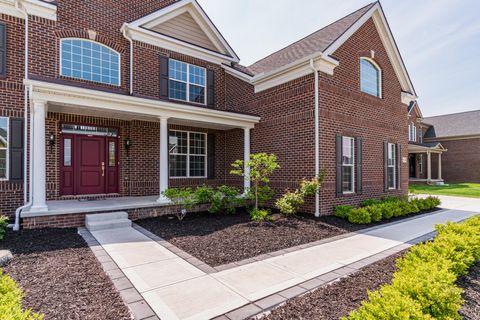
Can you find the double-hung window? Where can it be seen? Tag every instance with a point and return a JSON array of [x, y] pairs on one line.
[[391, 166], [370, 78], [412, 132], [187, 82], [188, 154], [420, 164], [4, 128], [348, 165]]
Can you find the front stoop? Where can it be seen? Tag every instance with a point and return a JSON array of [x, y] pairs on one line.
[[107, 221]]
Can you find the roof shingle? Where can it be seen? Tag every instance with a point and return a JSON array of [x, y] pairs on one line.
[[452, 125]]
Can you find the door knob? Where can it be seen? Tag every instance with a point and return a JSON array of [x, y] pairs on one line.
[[103, 169]]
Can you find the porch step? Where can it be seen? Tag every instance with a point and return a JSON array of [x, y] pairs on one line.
[[105, 221]]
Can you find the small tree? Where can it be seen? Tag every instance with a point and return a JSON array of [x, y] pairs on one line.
[[261, 166]]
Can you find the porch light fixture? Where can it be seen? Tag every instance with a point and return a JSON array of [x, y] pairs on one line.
[[128, 144], [51, 140]]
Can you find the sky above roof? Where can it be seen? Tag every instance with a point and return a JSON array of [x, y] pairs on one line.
[[439, 39]]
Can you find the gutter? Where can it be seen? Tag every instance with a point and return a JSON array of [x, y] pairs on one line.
[[317, 136]]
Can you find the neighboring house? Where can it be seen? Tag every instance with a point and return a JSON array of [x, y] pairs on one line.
[[128, 98]]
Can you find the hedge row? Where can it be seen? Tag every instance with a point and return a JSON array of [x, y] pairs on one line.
[[11, 301], [424, 285], [376, 210]]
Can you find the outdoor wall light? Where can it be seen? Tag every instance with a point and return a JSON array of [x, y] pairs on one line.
[[128, 144], [51, 140]]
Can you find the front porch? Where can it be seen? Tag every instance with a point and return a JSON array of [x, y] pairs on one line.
[[425, 163], [110, 130]]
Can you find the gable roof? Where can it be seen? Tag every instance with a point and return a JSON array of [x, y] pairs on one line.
[[315, 42], [454, 125], [414, 106]]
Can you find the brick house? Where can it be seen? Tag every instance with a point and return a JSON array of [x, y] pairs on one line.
[[117, 101]]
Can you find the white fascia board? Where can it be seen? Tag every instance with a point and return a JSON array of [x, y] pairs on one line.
[[242, 76], [198, 15], [293, 71], [388, 41], [68, 95], [33, 7], [407, 98], [146, 36]]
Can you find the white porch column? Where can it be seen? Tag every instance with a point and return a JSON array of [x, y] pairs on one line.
[[39, 165], [246, 158], [429, 166], [163, 158], [439, 166]]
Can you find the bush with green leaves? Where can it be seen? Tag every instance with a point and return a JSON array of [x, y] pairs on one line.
[[359, 216], [424, 285], [11, 301], [375, 213], [260, 214], [183, 197], [203, 194], [225, 200], [3, 226], [370, 202], [343, 211]]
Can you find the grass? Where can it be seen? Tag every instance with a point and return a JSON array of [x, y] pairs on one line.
[[470, 190]]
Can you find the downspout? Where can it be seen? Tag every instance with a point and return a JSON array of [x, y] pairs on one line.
[[26, 204], [317, 137], [124, 32]]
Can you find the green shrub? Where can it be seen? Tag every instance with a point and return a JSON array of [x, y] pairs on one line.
[[203, 194], [224, 200], [391, 199], [3, 226], [260, 214], [309, 188], [370, 202], [290, 203], [343, 211], [375, 213], [183, 197], [359, 216], [386, 209], [11, 301], [424, 285]]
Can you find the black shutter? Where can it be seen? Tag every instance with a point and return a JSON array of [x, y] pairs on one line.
[[211, 156], [210, 88], [164, 77], [16, 150], [399, 167], [339, 153], [359, 161], [385, 165], [3, 51]]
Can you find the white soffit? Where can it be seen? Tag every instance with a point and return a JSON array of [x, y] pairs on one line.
[[34, 7]]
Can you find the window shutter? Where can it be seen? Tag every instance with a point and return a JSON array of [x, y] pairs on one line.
[[3, 51], [359, 161], [211, 156], [164, 77], [385, 165], [210, 88], [339, 152], [399, 166], [16, 150]]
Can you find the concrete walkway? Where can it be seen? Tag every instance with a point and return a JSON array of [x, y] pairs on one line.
[[176, 289]]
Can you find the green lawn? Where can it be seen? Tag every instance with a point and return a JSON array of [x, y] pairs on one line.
[[471, 190]]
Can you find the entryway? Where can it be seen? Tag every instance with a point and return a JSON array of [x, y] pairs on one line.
[[89, 161]]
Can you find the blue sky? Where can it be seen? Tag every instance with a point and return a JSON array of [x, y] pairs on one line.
[[438, 39]]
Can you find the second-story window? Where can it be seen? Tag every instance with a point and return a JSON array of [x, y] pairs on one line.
[[370, 77], [187, 82], [89, 60]]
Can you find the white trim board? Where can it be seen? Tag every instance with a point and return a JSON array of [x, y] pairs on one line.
[[33, 7]]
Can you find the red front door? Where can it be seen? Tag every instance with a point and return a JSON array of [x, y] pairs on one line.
[[90, 169]]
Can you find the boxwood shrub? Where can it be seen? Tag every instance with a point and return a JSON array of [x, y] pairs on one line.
[[424, 285], [391, 207]]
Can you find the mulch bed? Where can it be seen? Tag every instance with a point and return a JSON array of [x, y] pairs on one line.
[[339, 298], [61, 277], [223, 239], [471, 284]]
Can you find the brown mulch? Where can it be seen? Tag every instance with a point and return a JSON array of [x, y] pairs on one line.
[[471, 284], [61, 277], [340, 298]]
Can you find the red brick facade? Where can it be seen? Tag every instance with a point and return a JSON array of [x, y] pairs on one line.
[[287, 111]]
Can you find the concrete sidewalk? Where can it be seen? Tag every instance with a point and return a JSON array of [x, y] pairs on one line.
[[176, 289]]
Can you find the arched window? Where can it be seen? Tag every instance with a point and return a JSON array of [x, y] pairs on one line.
[[370, 77], [89, 60]]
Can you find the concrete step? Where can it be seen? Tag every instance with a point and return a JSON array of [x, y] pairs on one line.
[[106, 216], [108, 224]]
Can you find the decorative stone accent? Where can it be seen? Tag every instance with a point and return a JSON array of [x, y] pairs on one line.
[[5, 256]]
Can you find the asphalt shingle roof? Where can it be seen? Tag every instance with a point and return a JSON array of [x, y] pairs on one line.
[[452, 125], [318, 41]]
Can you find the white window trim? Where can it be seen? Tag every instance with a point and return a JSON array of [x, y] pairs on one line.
[[350, 165], [420, 136], [7, 152], [188, 84], [420, 167], [188, 155], [101, 44], [380, 76], [394, 166]]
